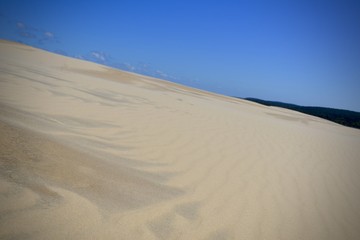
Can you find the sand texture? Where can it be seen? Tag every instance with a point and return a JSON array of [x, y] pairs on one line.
[[90, 152]]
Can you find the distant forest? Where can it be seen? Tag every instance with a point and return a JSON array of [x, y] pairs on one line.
[[343, 117]]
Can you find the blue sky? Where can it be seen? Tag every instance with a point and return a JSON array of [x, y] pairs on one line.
[[302, 52]]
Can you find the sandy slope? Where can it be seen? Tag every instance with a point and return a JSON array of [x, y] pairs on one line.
[[88, 152]]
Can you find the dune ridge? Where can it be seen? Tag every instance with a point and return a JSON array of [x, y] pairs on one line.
[[90, 152]]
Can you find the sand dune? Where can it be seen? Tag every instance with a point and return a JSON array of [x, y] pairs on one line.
[[89, 152]]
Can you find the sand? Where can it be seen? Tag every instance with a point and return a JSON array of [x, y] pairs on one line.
[[90, 152]]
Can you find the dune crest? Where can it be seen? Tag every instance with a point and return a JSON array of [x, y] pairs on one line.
[[90, 152]]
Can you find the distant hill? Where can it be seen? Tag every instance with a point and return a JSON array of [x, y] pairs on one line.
[[343, 117]]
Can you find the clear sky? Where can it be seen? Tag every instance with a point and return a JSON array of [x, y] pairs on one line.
[[305, 52]]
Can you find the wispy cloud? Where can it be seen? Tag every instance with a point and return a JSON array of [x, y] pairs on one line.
[[20, 25], [140, 68], [26, 31], [61, 52], [96, 56], [99, 56], [161, 73], [41, 36], [34, 36], [49, 35]]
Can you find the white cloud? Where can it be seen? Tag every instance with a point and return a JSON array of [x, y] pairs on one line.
[[49, 34], [33, 35], [100, 56], [79, 56], [20, 25], [129, 66], [161, 74]]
